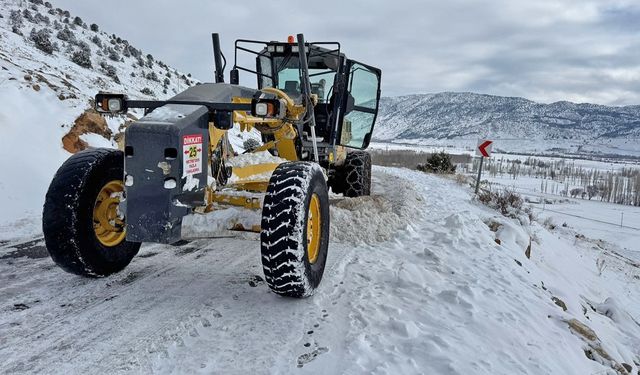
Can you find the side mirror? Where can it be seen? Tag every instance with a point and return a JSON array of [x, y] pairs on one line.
[[234, 76], [332, 62]]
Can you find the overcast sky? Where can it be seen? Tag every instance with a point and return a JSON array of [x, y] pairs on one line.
[[544, 50]]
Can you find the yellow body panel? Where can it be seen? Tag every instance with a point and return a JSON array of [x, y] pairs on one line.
[[257, 170], [248, 181]]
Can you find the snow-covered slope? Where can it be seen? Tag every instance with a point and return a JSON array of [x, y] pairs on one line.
[[51, 66], [416, 283], [468, 115]]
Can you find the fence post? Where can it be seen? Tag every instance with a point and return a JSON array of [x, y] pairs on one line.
[[479, 174]]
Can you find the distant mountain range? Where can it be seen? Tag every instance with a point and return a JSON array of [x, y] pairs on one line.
[[462, 115]]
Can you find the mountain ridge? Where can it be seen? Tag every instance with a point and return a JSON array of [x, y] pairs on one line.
[[451, 115]]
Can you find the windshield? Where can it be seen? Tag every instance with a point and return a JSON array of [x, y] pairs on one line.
[[287, 75]]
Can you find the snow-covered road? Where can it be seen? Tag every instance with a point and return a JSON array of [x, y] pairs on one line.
[[415, 283]]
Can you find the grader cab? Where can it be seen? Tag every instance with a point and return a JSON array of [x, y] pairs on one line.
[[315, 110]]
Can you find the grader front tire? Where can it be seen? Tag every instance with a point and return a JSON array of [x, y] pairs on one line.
[[82, 227], [295, 229]]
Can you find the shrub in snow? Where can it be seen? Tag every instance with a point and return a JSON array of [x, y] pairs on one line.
[[42, 19], [83, 45], [438, 163], [41, 40], [52, 12], [113, 55], [48, 5], [507, 202], [134, 51], [57, 25], [66, 14], [66, 35], [147, 91], [110, 71], [28, 16], [133, 74], [82, 57], [37, 2], [166, 82], [575, 192], [150, 57], [96, 41], [77, 21], [125, 52], [152, 76], [94, 27], [15, 19]]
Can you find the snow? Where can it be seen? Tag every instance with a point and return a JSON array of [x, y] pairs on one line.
[[96, 140], [167, 113], [435, 294], [219, 222], [252, 158], [191, 183], [30, 148]]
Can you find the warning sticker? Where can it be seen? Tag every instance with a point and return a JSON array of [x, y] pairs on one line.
[[192, 154]]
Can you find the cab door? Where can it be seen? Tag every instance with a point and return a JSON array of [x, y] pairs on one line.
[[360, 105]]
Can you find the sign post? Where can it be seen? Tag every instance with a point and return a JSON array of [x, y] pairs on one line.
[[484, 151]]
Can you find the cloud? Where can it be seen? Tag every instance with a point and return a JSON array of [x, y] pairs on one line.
[[545, 50]]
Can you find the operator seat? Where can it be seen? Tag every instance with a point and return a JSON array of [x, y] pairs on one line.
[[292, 88]]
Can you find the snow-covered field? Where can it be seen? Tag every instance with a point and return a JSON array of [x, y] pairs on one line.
[[602, 149], [415, 283], [615, 223]]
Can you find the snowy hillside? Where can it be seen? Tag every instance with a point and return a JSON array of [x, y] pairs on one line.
[[468, 115], [51, 66], [420, 279]]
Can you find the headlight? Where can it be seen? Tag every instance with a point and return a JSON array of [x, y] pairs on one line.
[[270, 108], [111, 103], [114, 105], [261, 109]]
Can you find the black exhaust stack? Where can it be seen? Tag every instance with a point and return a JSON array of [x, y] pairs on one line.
[[217, 58]]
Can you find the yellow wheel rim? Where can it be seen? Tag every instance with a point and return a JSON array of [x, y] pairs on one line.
[[108, 222], [313, 229]]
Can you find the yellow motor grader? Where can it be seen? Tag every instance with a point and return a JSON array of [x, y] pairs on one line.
[[315, 110]]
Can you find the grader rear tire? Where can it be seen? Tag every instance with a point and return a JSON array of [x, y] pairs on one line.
[[82, 227], [295, 229], [353, 178]]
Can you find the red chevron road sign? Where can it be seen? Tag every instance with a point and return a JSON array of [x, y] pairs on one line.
[[484, 148]]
